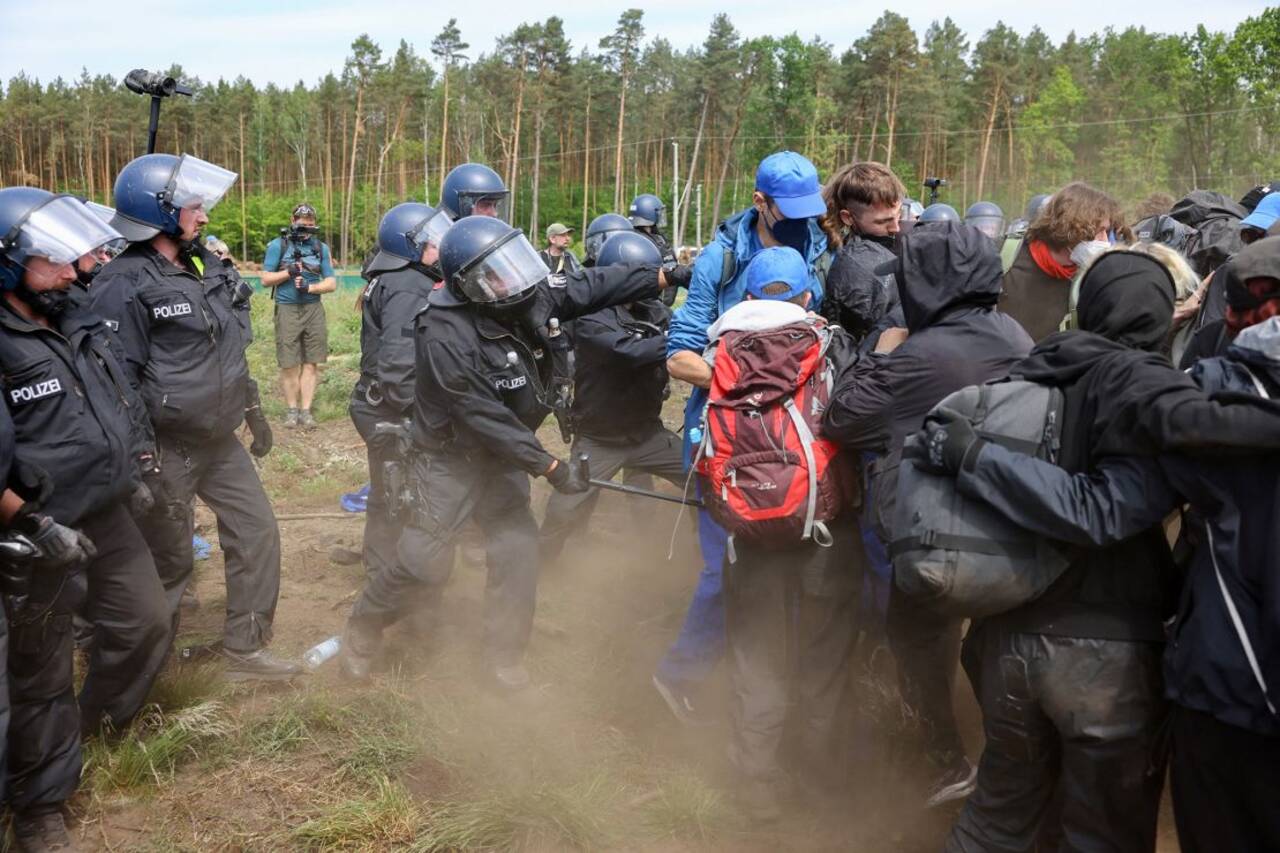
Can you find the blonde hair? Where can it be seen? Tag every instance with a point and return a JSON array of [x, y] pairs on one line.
[[855, 187]]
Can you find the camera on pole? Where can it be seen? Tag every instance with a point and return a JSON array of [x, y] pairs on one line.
[[933, 184], [158, 86]]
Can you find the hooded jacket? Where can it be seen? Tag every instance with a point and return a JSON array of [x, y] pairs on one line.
[[1216, 219], [948, 281], [707, 299], [857, 299], [620, 378]]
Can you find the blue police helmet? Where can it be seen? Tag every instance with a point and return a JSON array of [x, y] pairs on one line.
[[469, 183], [141, 211], [488, 262], [36, 223], [600, 229], [647, 210], [405, 230], [939, 212], [627, 248], [16, 203]]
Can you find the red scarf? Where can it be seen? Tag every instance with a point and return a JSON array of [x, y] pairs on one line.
[[1045, 260]]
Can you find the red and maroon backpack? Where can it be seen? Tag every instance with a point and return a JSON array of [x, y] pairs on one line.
[[769, 479]]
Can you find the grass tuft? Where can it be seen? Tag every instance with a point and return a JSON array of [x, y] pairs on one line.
[[186, 686], [152, 748], [687, 808], [295, 722], [388, 817]]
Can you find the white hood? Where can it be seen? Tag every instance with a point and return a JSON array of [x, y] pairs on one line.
[[756, 315]]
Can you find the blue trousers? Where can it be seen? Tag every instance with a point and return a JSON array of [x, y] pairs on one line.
[[701, 643]]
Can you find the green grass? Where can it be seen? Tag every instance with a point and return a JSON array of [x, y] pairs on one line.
[[186, 686], [387, 817], [147, 754], [686, 807], [296, 721]]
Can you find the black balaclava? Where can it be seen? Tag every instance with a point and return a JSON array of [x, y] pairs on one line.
[[1127, 297]]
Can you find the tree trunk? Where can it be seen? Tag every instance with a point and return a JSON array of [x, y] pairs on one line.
[[986, 138], [586, 165], [693, 168], [444, 131], [617, 157], [537, 176], [348, 203], [244, 220], [513, 171], [891, 119]]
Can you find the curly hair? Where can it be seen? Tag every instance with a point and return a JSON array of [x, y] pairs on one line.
[[1074, 215], [854, 188]]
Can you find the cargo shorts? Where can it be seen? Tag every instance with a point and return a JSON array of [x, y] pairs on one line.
[[302, 336]]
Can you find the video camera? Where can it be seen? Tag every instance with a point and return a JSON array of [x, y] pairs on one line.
[[933, 184], [299, 236], [155, 84]]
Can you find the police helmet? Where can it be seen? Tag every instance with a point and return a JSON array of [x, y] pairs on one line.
[[474, 188], [1033, 206], [939, 212], [403, 233], [35, 223], [987, 217], [600, 229], [647, 210], [152, 189], [627, 248], [490, 263], [911, 210], [1163, 228]]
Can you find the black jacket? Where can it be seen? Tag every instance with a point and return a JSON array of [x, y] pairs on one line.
[[385, 388], [74, 411], [621, 374], [948, 287], [182, 337], [482, 386], [857, 299]]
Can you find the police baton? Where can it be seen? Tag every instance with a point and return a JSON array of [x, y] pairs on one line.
[[585, 469]]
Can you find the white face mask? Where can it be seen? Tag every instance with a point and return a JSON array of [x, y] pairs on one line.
[[1087, 251]]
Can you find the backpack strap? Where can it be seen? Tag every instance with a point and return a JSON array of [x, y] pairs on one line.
[[1257, 383], [806, 445], [1238, 624]]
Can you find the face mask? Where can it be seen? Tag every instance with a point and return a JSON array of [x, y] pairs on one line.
[[791, 232], [886, 240], [86, 278], [50, 303], [1087, 251]]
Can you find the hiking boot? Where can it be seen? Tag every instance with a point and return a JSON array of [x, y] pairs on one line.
[[955, 783], [513, 678], [680, 701], [305, 419], [36, 831], [291, 418], [760, 800], [189, 600], [360, 646], [259, 666]]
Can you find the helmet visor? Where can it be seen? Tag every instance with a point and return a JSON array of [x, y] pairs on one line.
[[992, 226], [492, 204], [658, 219], [594, 242], [61, 230], [432, 231], [196, 183], [507, 271]]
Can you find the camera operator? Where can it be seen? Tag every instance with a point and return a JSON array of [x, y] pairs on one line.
[[300, 268]]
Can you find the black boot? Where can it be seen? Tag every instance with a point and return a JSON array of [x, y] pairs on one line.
[[259, 666], [41, 829], [360, 645]]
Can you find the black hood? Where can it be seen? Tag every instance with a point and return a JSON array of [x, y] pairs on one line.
[[1199, 206], [944, 265], [1128, 298]]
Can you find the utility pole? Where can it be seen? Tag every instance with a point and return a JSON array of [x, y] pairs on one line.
[[675, 187]]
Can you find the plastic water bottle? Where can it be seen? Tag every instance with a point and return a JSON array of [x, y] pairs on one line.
[[318, 654]]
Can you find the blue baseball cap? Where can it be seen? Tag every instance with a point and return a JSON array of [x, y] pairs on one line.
[[1265, 214], [777, 264], [792, 182]]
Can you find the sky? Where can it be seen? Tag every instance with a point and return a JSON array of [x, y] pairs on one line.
[[283, 42]]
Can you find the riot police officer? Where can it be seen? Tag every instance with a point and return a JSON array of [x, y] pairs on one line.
[[648, 214], [481, 384], [172, 303], [988, 218], [620, 382], [77, 417], [599, 230], [402, 275], [474, 189]]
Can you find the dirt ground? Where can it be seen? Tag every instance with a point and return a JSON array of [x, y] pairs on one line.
[[429, 758]]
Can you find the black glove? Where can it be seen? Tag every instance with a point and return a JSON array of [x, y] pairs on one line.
[[60, 547], [31, 483], [567, 479], [946, 443], [142, 501], [295, 270], [679, 275], [261, 431], [17, 557]]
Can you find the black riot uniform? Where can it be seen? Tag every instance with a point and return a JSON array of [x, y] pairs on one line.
[[481, 389], [77, 417], [184, 340], [620, 384], [668, 253], [384, 394]]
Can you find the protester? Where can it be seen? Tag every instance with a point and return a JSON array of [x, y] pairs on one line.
[[948, 276], [1076, 223], [784, 211], [557, 256]]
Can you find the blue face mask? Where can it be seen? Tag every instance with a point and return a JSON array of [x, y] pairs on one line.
[[790, 232]]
